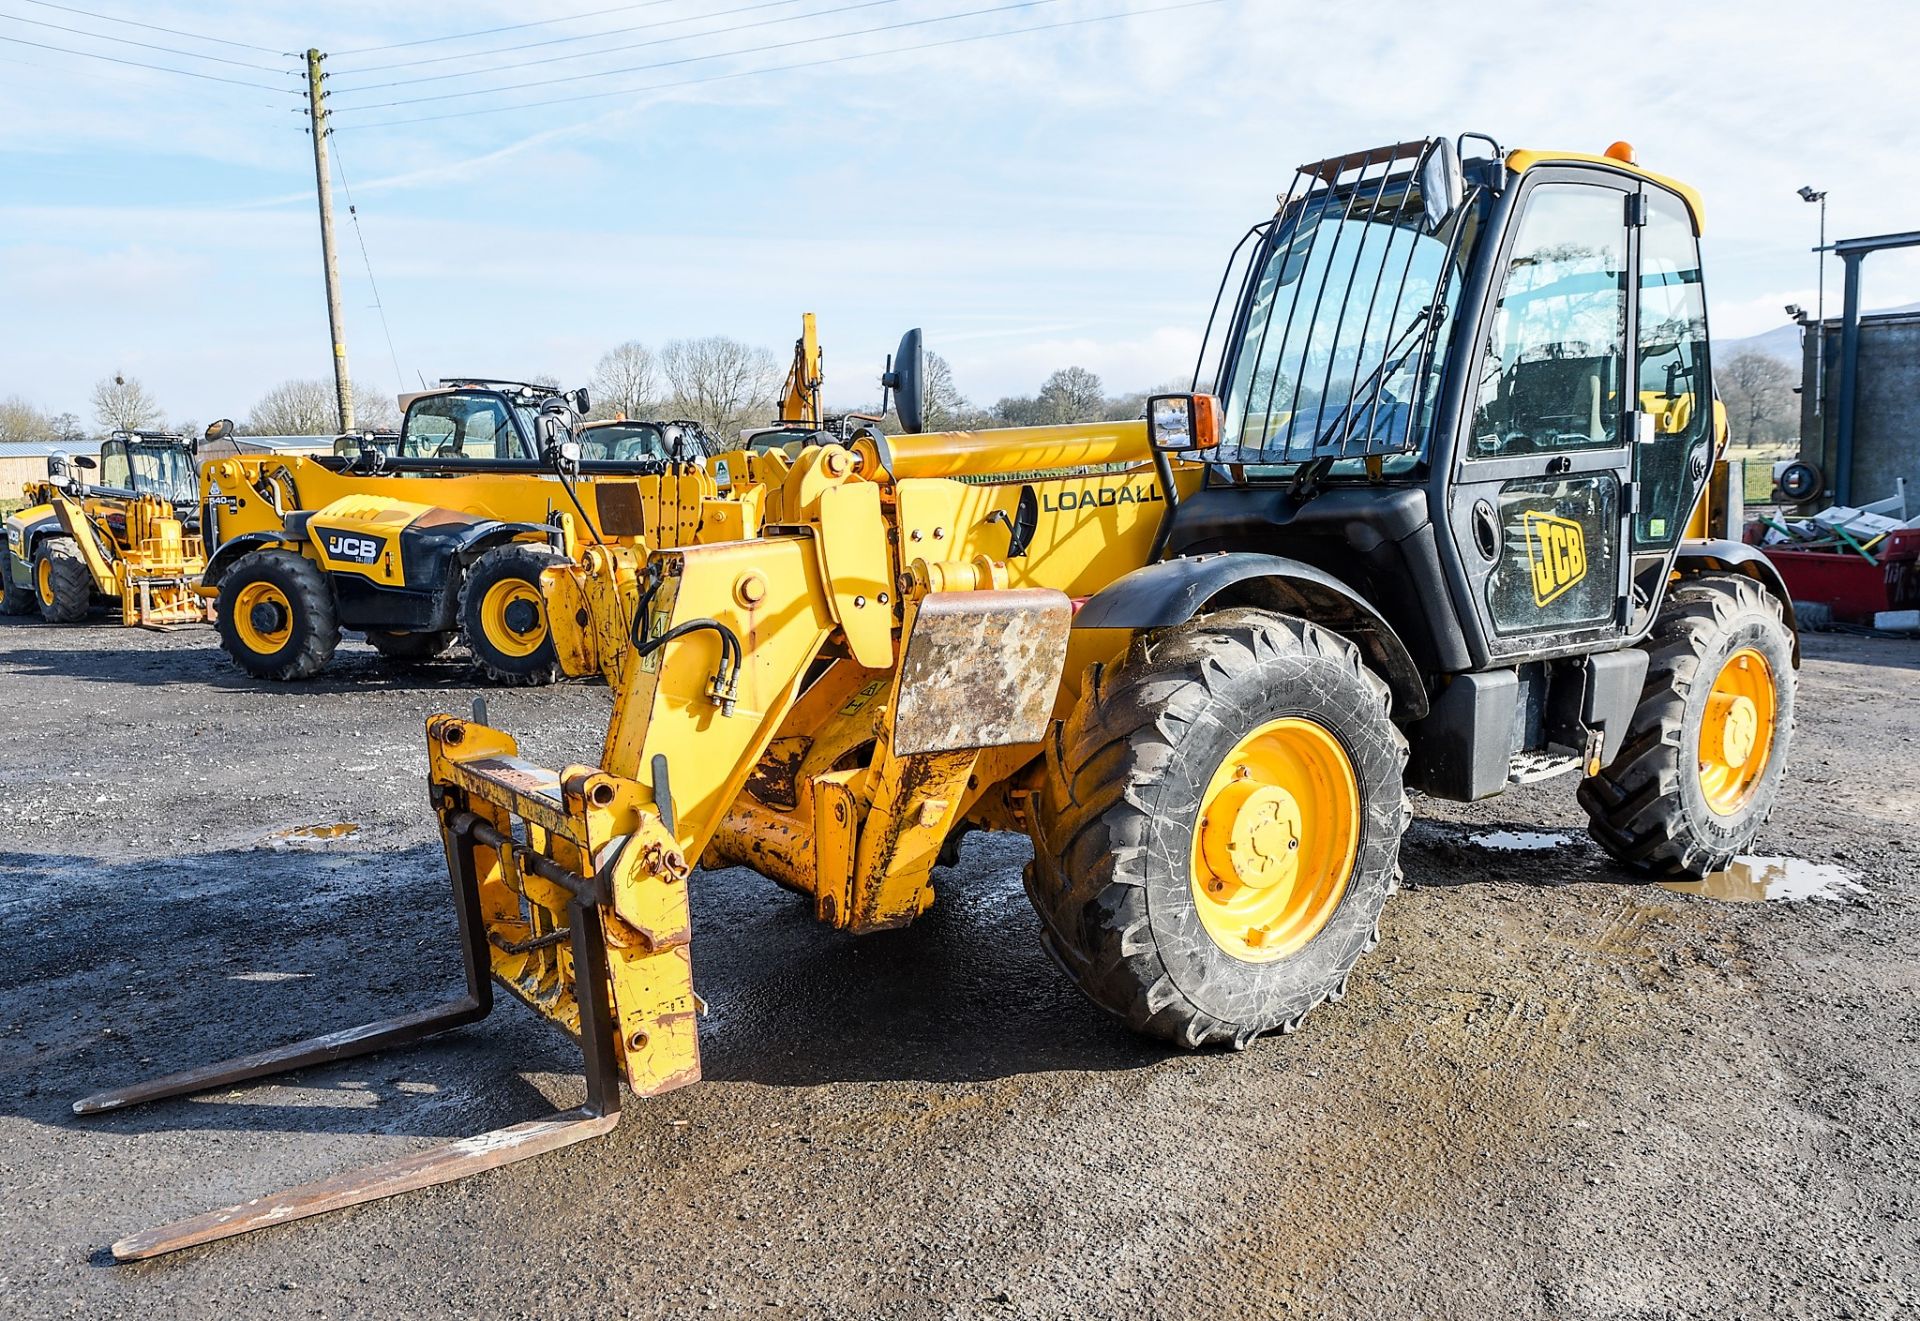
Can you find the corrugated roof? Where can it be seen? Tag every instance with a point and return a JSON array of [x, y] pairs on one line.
[[30, 449]]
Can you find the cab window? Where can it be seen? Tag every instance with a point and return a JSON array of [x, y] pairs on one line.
[[114, 470], [1675, 388], [460, 426], [623, 441], [1557, 356]]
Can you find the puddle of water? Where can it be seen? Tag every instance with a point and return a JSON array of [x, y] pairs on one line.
[[266, 976], [1757, 880], [1520, 841], [309, 837]]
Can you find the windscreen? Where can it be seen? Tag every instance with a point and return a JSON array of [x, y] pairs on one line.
[[1330, 347], [165, 471], [623, 440], [461, 426]]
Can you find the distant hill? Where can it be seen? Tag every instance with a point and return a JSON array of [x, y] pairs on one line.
[[1783, 342]]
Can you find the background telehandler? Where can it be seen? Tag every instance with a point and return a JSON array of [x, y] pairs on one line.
[[440, 532], [1437, 520], [129, 537]]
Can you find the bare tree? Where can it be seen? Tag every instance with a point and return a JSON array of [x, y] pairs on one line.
[[296, 408], [627, 382], [720, 383], [121, 403], [1072, 394], [946, 406], [65, 426], [20, 420], [374, 409], [1758, 391]]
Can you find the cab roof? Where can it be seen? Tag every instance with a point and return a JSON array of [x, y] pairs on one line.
[[1521, 161]]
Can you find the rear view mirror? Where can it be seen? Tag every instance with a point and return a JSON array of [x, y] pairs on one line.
[[1442, 186], [906, 379], [219, 430], [83, 461], [581, 403]]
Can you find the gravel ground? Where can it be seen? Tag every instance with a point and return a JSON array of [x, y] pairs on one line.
[[1553, 1091]]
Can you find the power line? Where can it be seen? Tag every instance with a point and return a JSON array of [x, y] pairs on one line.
[[560, 41], [637, 45], [158, 68], [354, 212], [154, 27], [511, 27], [717, 55], [144, 45], [787, 68]]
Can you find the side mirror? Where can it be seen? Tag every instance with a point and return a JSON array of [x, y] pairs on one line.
[[1442, 186], [219, 430], [581, 403], [1181, 423], [83, 461], [906, 379]]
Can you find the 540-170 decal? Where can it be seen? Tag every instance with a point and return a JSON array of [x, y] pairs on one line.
[[352, 547]]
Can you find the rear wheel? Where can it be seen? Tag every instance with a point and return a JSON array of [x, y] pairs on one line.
[[1220, 828], [407, 648], [61, 581], [1704, 757], [503, 616], [16, 584], [277, 617]]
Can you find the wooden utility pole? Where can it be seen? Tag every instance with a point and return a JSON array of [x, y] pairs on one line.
[[323, 179]]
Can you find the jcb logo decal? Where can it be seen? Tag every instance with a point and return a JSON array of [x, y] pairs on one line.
[[1557, 551], [350, 547]]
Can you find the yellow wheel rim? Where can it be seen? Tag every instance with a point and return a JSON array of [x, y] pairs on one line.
[[43, 581], [499, 603], [1275, 841], [274, 629], [1736, 734]]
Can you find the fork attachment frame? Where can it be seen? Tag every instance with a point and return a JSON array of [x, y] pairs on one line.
[[470, 838]]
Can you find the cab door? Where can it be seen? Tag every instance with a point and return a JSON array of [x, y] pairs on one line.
[[1541, 475]]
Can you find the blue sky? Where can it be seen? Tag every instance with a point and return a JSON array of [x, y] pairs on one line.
[[1063, 196]]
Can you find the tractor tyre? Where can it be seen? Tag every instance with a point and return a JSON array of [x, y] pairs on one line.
[[61, 581], [409, 648], [1706, 752], [277, 618], [1220, 827], [15, 600], [503, 615]]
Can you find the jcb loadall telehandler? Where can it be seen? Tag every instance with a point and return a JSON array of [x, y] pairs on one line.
[[1428, 525], [130, 537], [439, 532]]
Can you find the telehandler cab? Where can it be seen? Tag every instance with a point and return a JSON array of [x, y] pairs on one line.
[[130, 538], [439, 532], [1437, 520]]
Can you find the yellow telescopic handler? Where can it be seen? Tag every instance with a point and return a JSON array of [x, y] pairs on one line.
[[1435, 516]]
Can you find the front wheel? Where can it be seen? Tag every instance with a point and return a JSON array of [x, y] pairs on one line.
[[277, 617], [1707, 749], [503, 615], [62, 581], [1220, 827], [16, 597]]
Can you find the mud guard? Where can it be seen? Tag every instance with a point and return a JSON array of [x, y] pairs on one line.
[[1173, 591], [1722, 556]]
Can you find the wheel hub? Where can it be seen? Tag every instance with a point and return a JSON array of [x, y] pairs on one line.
[[1252, 836], [1736, 731], [521, 617], [267, 617], [1276, 838]]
